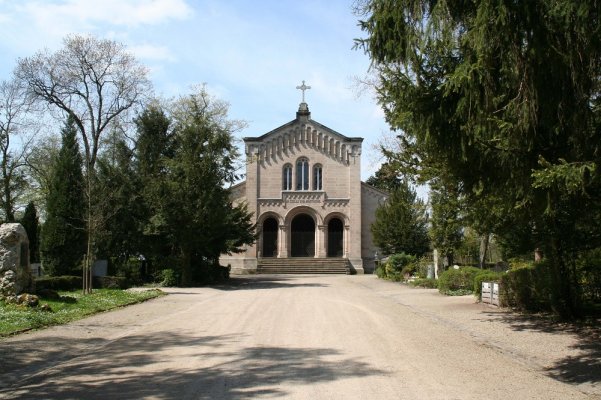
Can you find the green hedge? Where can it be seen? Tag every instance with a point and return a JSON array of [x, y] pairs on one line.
[[527, 288], [110, 282], [458, 281], [75, 282], [485, 276], [65, 282]]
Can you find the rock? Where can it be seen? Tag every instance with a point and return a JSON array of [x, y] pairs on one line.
[[15, 270], [48, 294], [29, 300], [46, 307]]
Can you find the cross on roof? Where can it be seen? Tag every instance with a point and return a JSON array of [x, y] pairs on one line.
[[303, 87]]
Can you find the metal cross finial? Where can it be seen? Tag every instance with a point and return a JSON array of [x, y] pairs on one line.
[[303, 87]]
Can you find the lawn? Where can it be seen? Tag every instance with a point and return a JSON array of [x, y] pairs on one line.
[[72, 306]]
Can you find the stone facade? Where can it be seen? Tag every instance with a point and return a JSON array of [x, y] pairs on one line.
[[303, 184], [15, 272]]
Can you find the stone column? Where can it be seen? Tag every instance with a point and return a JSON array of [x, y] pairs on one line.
[[346, 241], [283, 251], [321, 241]]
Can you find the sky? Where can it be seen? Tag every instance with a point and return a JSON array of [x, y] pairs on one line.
[[250, 53]]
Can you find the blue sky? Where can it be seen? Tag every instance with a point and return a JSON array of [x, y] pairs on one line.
[[251, 54]]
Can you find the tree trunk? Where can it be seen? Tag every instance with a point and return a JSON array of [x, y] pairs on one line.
[[484, 241], [186, 267]]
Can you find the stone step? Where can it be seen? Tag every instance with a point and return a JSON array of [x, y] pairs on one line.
[[303, 266]]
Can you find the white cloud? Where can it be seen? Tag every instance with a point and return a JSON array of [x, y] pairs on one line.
[[152, 52], [113, 12]]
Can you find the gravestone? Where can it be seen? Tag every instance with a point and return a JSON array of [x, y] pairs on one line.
[[15, 271]]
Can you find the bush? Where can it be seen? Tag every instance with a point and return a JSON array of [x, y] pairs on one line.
[[65, 282], [485, 276], [110, 282], [588, 267], [425, 283], [527, 287], [394, 266], [168, 278], [458, 281]]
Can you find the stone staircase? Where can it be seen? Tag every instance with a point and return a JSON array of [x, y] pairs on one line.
[[303, 265]]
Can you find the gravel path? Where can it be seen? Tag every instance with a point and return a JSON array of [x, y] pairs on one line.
[[304, 337]]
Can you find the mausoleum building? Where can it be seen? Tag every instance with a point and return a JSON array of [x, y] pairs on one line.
[[303, 184]]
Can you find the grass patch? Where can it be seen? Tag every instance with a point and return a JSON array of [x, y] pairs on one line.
[[72, 306]]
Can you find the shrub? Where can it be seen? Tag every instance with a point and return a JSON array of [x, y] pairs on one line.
[[528, 287], [485, 276], [395, 265], [458, 281], [64, 282], [110, 282], [168, 278], [425, 283], [588, 268]]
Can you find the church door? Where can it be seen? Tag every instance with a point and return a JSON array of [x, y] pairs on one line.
[[302, 237], [335, 236], [270, 238]]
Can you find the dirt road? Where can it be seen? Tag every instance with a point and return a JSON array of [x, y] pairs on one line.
[[303, 337]]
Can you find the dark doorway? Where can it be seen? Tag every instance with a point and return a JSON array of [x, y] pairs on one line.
[[302, 239], [335, 236], [270, 237]]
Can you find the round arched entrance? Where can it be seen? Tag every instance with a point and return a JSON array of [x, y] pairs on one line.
[[335, 237], [302, 236], [270, 237]]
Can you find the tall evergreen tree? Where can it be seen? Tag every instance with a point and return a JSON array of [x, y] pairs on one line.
[[31, 224], [400, 225], [507, 94], [63, 241], [189, 203]]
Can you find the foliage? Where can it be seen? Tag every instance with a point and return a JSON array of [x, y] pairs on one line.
[[14, 319], [528, 287], [95, 82], [485, 276], [120, 209], [110, 282], [63, 238], [589, 272], [463, 82], [64, 282], [14, 122], [393, 268], [428, 283], [31, 224], [187, 202], [400, 225], [458, 281], [168, 278], [446, 224]]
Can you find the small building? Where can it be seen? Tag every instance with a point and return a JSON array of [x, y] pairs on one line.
[[303, 184]]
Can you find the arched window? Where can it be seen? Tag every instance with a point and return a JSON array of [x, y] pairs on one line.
[[302, 174], [287, 177], [317, 177]]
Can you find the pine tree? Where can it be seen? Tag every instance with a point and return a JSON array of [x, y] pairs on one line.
[[400, 225], [63, 241], [31, 224]]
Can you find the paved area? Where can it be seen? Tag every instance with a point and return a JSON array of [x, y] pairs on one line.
[[303, 337]]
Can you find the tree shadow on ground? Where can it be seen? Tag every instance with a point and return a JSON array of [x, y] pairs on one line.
[[176, 366], [257, 282], [583, 368]]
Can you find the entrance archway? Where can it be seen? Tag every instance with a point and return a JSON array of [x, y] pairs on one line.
[[270, 237], [335, 238], [302, 238]]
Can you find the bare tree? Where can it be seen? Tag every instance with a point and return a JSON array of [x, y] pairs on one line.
[[96, 81], [14, 145]]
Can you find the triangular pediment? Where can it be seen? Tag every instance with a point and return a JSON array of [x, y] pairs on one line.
[[303, 132]]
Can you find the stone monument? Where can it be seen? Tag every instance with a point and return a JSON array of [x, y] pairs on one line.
[[15, 271]]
